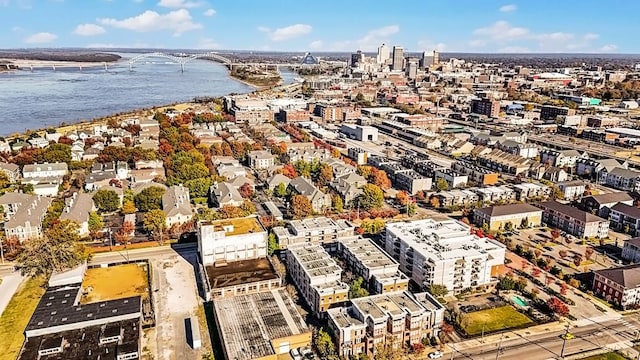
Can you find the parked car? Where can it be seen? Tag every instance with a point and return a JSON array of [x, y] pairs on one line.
[[567, 336], [435, 355], [295, 354], [306, 352]]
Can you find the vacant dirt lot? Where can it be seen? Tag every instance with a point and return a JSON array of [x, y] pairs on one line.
[[115, 282]]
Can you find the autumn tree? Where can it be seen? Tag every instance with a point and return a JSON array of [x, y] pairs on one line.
[[323, 343], [563, 253], [442, 184], [577, 260], [155, 222], [58, 250], [325, 175], [301, 206], [128, 207], [149, 198], [372, 226], [371, 197], [555, 234], [272, 243], [289, 171], [365, 171], [106, 200], [557, 306], [337, 203], [402, 197], [124, 234], [380, 179], [588, 252], [246, 190]]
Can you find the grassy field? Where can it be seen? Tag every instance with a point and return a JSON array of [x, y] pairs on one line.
[[16, 316], [115, 282], [500, 318], [606, 356]]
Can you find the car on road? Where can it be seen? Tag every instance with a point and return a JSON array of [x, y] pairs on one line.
[[567, 336], [295, 354], [435, 355]]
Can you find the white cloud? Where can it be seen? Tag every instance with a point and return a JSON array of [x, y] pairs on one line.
[[89, 30], [178, 21], [207, 44], [514, 49], [41, 38], [508, 8], [477, 43], [429, 45], [502, 31], [608, 48], [286, 33], [554, 37], [179, 4], [316, 45], [590, 36], [370, 41], [209, 12]]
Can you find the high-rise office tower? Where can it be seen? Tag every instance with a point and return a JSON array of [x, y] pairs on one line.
[[398, 58], [412, 68], [436, 57], [357, 58], [383, 54], [427, 60]]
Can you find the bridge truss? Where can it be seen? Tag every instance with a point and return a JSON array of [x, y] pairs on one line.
[[181, 60]]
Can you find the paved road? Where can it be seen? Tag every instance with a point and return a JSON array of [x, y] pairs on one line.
[[8, 287], [139, 254], [613, 334]]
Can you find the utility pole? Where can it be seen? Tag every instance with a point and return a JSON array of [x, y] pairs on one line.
[[1, 250], [499, 348], [482, 336], [564, 341]]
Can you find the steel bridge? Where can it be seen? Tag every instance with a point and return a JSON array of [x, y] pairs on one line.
[[183, 59]]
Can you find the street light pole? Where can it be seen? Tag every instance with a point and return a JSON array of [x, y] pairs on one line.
[[1, 250], [499, 348], [564, 341]]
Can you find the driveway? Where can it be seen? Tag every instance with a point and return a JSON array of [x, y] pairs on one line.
[[10, 284]]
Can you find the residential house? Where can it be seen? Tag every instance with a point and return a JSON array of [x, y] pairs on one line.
[[276, 180], [602, 204], [27, 222], [456, 197], [77, 209], [260, 159], [504, 162], [339, 167], [555, 174], [230, 169], [619, 286], [525, 150], [239, 181], [12, 171], [572, 190], [45, 170], [500, 218], [11, 203], [176, 205], [454, 179], [412, 182], [477, 174], [348, 186], [561, 158], [621, 179], [531, 191], [631, 248], [573, 220], [222, 194], [493, 194], [625, 218], [307, 154], [303, 186], [591, 168], [39, 142]]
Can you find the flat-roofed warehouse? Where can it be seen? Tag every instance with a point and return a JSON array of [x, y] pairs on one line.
[[259, 326]]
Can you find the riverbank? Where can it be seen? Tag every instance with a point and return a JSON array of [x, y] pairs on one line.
[[27, 64]]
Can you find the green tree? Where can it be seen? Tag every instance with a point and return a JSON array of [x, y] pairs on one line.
[[508, 226], [107, 200], [95, 222], [356, 290], [58, 250], [53, 213], [324, 345], [506, 283], [337, 203], [442, 184], [149, 198], [198, 187], [372, 226], [57, 153], [301, 206], [272, 244], [372, 197], [556, 193], [155, 221], [280, 190], [438, 290], [303, 168], [412, 209]]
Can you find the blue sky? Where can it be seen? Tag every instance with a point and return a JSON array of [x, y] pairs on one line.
[[329, 25]]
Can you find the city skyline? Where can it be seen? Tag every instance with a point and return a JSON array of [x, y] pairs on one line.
[[286, 25]]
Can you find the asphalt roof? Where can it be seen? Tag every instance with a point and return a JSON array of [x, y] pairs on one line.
[[571, 211], [612, 197], [627, 276], [628, 210], [508, 209]]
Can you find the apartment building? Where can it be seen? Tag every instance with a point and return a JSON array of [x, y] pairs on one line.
[[625, 218], [317, 276], [224, 241], [548, 112], [498, 218], [453, 178], [502, 161], [631, 250], [358, 155], [77, 209], [487, 107], [443, 252], [601, 204], [378, 270], [527, 191], [251, 111], [260, 159], [478, 175], [46, 170], [621, 179], [494, 194], [26, 223], [572, 190], [316, 230], [456, 197], [412, 182], [400, 317], [573, 220], [176, 204], [561, 158], [305, 187], [619, 286], [328, 113]]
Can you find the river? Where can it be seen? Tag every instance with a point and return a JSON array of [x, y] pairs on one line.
[[42, 98]]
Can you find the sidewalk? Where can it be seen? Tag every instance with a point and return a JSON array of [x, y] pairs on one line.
[[8, 287]]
